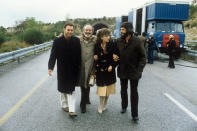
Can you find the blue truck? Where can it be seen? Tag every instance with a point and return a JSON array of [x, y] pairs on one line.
[[163, 18], [119, 21]]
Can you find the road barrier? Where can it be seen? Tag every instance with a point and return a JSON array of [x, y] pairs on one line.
[[192, 53], [189, 44], [22, 52], [16, 55]]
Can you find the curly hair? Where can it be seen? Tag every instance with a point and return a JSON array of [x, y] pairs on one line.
[[100, 33]]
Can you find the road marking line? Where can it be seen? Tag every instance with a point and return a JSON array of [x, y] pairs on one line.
[[21, 101], [192, 115]]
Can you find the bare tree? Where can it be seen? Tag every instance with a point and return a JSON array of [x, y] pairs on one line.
[[194, 2]]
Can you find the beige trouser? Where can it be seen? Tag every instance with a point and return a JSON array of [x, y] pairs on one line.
[[68, 100]]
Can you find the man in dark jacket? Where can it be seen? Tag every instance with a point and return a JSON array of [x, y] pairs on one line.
[[171, 50], [151, 46], [132, 62], [66, 50]]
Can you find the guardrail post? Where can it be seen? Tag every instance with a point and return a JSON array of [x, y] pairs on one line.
[[35, 51], [18, 60]]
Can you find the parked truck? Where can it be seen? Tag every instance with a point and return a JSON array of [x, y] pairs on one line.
[[119, 20], [163, 18]]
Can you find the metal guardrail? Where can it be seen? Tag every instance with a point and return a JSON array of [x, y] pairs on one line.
[[18, 53], [192, 52], [190, 43]]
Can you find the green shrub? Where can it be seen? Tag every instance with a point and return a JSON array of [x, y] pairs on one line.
[[2, 38], [6, 49], [192, 10], [33, 36], [48, 36]]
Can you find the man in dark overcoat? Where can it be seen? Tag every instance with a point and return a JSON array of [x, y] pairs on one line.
[[66, 50], [132, 62]]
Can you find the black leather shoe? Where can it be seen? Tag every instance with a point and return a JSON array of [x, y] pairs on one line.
[[135, 119], [88, 102], [83, 109], [123, 110]]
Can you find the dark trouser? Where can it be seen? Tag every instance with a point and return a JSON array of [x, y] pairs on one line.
[[171, 61], [133, 95], [85, 92], [150, 55]]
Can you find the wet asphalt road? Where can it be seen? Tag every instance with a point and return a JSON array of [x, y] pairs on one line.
[[41, 111]]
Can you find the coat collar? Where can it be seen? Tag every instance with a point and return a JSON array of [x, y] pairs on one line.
[[89, 39], [130, 41], [68, 40]]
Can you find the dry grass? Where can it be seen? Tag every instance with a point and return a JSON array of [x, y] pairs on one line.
[[191, 33], [12, 45], [191, 28]]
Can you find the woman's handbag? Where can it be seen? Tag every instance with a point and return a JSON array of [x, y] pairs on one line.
[[92, 80]]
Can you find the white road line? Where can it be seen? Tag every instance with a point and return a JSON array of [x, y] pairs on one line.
[[192, 115]]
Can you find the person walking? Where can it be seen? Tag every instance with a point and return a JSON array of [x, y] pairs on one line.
[[171, 45], [105, 67], [151, 46], [66, 50], [130, 68], [87, 41]]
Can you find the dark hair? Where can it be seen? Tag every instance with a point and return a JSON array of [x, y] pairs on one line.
[[100, 33], [128, 26], [99, 26], [136, 34], [68, 24], [144, 34]]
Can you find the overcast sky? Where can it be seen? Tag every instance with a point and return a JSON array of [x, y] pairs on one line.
[[57, 10]]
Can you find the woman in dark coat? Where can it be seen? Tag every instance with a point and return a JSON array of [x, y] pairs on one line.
[[105, 67]]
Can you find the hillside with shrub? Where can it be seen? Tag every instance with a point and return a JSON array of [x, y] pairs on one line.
[[30, 31], [191, 24]]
